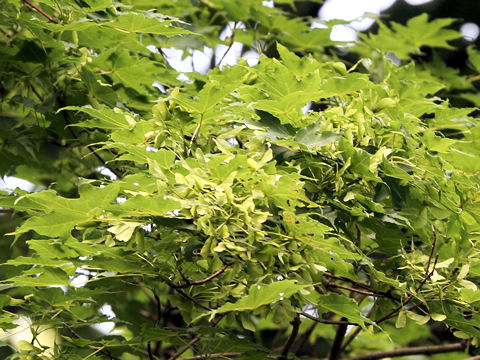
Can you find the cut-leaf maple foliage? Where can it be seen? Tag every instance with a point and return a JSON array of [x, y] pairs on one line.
[[296, 195]]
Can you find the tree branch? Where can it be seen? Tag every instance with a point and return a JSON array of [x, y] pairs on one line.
[[335, 350], [354, 333], [434, 242], [106, 352], [213, 356], [364, 292], [322, 321], [418, 350], [184, 294], [410, 297], [300, 341], [196, 339], [360, 285], [296, 325], [203, 281], [36, 8]]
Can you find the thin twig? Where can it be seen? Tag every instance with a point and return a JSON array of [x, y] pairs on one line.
[[296, 325], [184, 294], [213, 356], [417, 350], [351, 337], [203, 281], [40, 97], [229, 46], [364, 292], [106, 352], [36, 8], [353, 282], [434, 242], [149, 350], [355, 332], [410, 297], [335, 350], [196, 339], [322, 321], [300, 341]]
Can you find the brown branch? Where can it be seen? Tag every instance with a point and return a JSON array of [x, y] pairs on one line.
[[364, 292], [335, 350], [361, 285], [36, 8], [417, 350], [434, 242], [184, 294], [296, 325], [410, 297], [149, 350], [355, 332], [229, 46], [106, 352], [203, 281], [213, 356], [350, 338], [353, 282], [300, 341], [322, 321], [40, 97], [196, 339]]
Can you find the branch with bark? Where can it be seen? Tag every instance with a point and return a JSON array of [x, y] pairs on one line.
[[203, 281], [40, 11], [417, 350]]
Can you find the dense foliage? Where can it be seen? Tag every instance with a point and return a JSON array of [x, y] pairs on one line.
[[233, 221]]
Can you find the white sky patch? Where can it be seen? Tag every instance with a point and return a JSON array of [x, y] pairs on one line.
[[153, 49], [12, 182], [251, 57], [470, 31], [353, 9], [159, 86], [105, 327], [343, 33], [268, 3], [228, 55], [307, 108], [121, 200], [107, 172], [201, 60], [107, 310], [79, 281], [151, 148], [183, 77], [417, 2]]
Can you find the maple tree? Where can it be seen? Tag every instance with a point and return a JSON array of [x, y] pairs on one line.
[[303, 207]]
